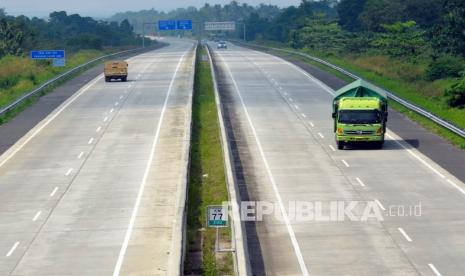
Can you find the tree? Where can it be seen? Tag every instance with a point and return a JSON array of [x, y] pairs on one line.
[[450, 34], [349, 11], [10, 38]]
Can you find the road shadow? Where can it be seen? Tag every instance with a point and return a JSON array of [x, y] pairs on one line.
[[388, 145]]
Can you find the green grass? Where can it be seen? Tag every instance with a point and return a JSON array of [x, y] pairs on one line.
[[403, 78], [207, 182], [20, 75]]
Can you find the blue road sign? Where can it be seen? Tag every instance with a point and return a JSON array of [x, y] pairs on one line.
[[47, 54], [59, 62], [184, 24], [166, 25]]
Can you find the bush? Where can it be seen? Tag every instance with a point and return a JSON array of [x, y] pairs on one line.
[[443, 67], [455, 95]]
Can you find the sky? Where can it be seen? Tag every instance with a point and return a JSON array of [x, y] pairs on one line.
[[105, 8]]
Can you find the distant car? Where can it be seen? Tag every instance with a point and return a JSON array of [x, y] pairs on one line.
[[221, 45]]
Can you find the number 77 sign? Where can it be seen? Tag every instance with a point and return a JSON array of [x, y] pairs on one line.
[[217, 216]]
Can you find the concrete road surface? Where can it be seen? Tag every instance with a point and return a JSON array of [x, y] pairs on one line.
[[404, 212], [98, 187]]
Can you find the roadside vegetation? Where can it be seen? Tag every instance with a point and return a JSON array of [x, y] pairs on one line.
[[83, 38], [207, 182]]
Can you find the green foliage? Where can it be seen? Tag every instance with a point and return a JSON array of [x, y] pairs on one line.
[[449, 35], [444, 66], [455, 95], [10, 38], [349, 11], [18, 35], [402, 39]]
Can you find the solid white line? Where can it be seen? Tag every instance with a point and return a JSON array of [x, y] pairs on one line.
[[345, 163], [90, 141], [290, 230], [296, 107], [69, 171], [311, 124], [13, 248], [360, 182], [456, 186], [51, 119], [36, 216], [111, 110], [105, 119], [54, 191], [404, 234], [80, 155], [127, 237], [98, 129], [380, 205], [434, 269], [303, 115], [332, 148], [321, 135]]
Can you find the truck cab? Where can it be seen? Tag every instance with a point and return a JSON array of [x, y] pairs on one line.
[[360, 115]]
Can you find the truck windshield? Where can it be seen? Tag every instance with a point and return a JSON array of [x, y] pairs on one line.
[[359, 116]]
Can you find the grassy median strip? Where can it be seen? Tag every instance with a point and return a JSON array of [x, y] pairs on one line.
[[207, 182]]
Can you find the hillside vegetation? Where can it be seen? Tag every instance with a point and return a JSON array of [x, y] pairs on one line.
[[83, 38]]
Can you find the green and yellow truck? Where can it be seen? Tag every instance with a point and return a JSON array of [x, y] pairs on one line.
[[360, 112]]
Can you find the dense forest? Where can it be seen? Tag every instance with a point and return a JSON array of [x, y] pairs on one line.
[[72, 32], [424, 40]]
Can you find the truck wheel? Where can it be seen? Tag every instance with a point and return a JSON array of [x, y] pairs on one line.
[[107, 79], [340, 145], [124, 79]]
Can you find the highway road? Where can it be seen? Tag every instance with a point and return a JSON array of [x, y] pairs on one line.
[[281, 134], [97, 187]]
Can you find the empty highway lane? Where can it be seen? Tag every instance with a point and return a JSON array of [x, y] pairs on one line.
[[98, 187], [281, 131]]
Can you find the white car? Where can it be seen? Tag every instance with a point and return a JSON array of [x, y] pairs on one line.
[[221, 45]]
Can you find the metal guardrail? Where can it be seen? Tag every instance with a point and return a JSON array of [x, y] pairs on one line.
[[48, 83], [440, 121]]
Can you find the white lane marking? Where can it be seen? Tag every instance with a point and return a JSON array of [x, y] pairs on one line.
[[427, 165], [280, 88], [345, 163], [290, 99], [416, 156], [321, 135], [360, 182], [332, 148], [434, 269], [69, 172], [380, 205], [456, 186], [290, 230], [404, 234], [121, 97], [311, 124], [54, 191], [296, 107], [111, 110], [135, 210], [117, 103], [51, 119], [13, 248], [98, 129], [80, 155], [303, 115], [105, 119], [90, 141], [36, 216]]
